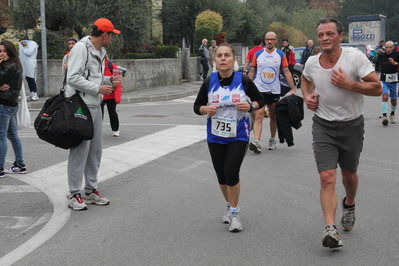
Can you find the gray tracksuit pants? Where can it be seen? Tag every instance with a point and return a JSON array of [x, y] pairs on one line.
[[84, 160]]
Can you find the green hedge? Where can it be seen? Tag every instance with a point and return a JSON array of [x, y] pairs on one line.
[[162, 51], [139, 55]]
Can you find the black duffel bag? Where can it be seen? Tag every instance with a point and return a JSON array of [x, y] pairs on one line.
[[64, 122]]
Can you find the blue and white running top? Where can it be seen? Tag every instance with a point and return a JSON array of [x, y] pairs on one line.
[[228, 124]]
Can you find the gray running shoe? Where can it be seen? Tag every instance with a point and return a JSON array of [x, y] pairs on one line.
[[384, 120], [226, 216], [331, 237], [255, 146], [392, 119], [272, 144], [96, 198], [235, 222], [77, 203], [348, 217]]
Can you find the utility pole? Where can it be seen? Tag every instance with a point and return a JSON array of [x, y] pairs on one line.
[[44, 46]]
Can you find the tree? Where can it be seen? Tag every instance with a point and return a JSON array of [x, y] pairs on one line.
[[202, 32], [289, 5], [132, 17], [283, 31], [329, 6], [178, 17], [387, 8], [257, 15], [211, 19], [306, 20]]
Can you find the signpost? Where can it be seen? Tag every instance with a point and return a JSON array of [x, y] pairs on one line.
[[367, 29]]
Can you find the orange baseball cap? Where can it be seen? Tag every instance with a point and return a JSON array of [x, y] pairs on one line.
[[105, 25]]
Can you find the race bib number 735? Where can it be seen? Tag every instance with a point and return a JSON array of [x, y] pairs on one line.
[[224, 127]]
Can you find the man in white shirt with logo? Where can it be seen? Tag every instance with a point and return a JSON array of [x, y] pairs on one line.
[[265, 71], [333, 86]]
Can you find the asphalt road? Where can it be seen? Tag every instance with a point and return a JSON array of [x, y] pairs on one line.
[[166, 206]]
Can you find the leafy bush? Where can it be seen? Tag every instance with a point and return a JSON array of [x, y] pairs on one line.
[[139, 55], [211, 19], [202, 32], [221, 38], [163, 51], [56, 45]]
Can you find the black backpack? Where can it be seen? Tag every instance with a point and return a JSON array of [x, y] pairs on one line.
[[64, 122]]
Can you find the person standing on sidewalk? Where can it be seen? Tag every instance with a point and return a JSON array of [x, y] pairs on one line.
[[204, 58], [387, 65], [224, 98], [289, 53], [27, 54], [307, 53], [212, 52], [333, 85], [265, 71], [85, 76], [10, 88], [71, 43], [112, 99]]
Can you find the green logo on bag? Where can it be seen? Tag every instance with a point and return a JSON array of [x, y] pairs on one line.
[[79, 114], [79, 111]]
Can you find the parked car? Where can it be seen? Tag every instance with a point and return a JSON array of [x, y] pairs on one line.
[[361, 47], [298, 53], [297, 73]]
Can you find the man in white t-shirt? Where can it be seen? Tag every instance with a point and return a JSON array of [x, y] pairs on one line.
[[333, 85]]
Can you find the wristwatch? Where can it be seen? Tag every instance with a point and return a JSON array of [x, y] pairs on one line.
[[252, 107]]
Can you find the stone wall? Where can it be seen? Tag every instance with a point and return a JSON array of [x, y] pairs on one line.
[[141, 73]]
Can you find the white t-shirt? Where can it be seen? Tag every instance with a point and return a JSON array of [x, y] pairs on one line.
[[335, 103], [268, 67]]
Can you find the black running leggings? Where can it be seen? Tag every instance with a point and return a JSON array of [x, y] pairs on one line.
[[113, 115], [31, 84], [227, 160]]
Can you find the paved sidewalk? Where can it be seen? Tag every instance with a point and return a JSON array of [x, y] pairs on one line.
[[162, 93]]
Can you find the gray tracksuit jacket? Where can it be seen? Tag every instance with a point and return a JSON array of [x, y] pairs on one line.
[[85, 72]]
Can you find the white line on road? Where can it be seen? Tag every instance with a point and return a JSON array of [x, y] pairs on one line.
[[17, 189], [115, 160]]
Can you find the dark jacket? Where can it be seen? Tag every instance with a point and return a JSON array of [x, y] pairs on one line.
[[306, 54], [203, 52], [289, 113], [12, 76]]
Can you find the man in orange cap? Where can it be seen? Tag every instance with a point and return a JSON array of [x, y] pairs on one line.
[[85, 76]]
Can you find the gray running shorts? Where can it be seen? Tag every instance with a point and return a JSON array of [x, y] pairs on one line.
[[337, 142]]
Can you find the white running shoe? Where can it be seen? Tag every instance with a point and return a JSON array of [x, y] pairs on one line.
[[255, 146], [96, 198], [235, 222], [331, 237], [392, 119], [77, 203], [384, 120], [226, 216], [272, 144], [34, 97], [115, 133]]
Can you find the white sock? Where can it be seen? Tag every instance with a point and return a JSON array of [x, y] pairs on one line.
[[233, 209]]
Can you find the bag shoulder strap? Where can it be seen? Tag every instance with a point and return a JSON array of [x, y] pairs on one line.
[[66, 71]]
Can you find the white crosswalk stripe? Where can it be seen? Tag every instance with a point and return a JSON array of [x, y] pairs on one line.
[[53, 180]]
